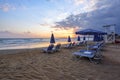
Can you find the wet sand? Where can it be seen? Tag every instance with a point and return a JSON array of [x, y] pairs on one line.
[[33, 64]]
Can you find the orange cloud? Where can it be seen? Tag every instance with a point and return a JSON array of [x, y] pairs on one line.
[[64, 33]]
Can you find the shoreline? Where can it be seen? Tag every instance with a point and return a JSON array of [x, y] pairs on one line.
[[22, 43], [45, 45], [14, 51]]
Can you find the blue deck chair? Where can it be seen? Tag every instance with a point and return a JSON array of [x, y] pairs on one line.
[[96, 46], [49, 49], [68, 45], [57, 48], [84, 53], [73, 44], [90, 54], [81, 43]]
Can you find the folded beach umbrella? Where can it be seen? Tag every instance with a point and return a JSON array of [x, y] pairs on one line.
[[52, 39], [84, 38], [69, 39], [95, 38], [101, 37], [78, 39]]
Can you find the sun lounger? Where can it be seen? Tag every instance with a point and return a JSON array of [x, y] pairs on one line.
[[82, 43], [57, 48], [49, 49], [97, 46], [90, 54], [68, 45], [85, 53]]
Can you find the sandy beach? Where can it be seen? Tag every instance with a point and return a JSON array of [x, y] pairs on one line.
[[33, 64]]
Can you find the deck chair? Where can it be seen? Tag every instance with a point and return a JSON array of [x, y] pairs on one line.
[[80, 43], [96, 46], [73, 44], [57, 48], [49, 49], [90, 54], [68, 45]]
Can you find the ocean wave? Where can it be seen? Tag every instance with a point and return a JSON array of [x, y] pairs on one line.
[[27, 42]]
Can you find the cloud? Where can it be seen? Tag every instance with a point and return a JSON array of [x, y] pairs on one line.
[[86, 5], [11, 5], [8, 34], [28, 32], [78, 2], [5, 7], [46, 24], [106, 12]]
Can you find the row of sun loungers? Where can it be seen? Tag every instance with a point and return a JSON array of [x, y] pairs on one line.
[[72, 45], [82, 43], [93, 52], [51, 48]]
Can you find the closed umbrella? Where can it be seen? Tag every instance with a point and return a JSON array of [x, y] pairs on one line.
[[84, 38], [52, 39], [95, 38], [101, 38], [69, 39], [78, 39]]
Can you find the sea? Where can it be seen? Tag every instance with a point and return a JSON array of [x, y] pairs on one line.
[[28, 43]]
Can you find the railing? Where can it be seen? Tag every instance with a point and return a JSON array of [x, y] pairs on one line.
[[110, 38]]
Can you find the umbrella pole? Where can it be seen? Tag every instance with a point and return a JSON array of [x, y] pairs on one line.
[[87, 43]]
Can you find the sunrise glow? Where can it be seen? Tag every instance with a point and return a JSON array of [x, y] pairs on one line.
[[38, 18]]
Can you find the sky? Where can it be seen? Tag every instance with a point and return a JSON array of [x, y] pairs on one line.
[[39, 18]]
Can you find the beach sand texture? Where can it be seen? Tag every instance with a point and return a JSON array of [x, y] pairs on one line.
[[32, 64]]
